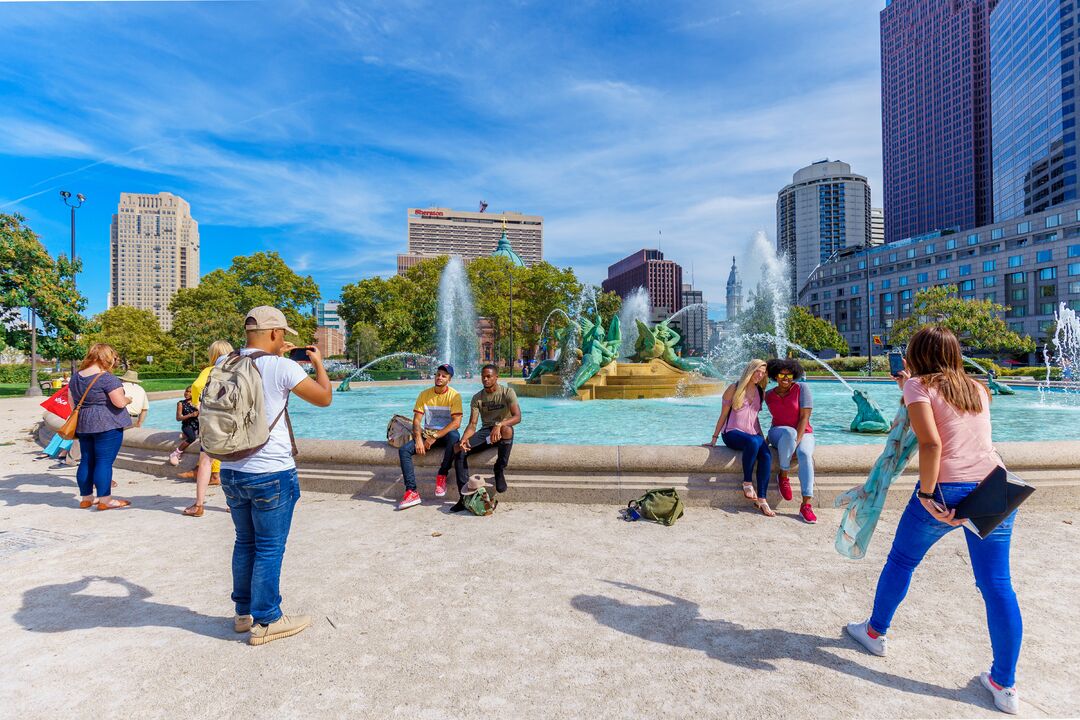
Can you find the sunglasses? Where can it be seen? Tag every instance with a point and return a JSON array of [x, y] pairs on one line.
[[784, 376]]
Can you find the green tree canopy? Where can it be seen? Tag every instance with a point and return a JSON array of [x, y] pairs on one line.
[[977, 323], [364, 343], [814, 333], [31, 278], [215, 309], [134, 334]]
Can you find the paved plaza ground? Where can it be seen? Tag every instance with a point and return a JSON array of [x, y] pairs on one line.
[[545, 611]]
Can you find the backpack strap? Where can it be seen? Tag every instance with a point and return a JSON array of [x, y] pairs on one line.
[[285, 410]]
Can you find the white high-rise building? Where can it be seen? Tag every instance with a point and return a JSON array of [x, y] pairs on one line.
[[877, 226], [154, 252], [825, 208]]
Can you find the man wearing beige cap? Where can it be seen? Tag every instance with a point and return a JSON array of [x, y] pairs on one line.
[[139, 402], [262, 488]]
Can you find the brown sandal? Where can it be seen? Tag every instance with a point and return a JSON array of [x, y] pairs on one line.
[[85, 504], [215, 479], [109, 506], [193, 511]]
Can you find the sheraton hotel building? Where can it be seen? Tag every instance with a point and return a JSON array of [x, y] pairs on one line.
[[980, 168]]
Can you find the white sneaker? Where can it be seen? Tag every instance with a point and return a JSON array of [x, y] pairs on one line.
[[1005, 699], [174, 457], [876, 646]]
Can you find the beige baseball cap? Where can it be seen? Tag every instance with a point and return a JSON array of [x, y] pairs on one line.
[[265, 317]]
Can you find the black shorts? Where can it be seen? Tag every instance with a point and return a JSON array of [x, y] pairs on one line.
[[190, 433]]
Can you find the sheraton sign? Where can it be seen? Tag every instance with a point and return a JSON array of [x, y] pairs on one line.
[[428, 213]]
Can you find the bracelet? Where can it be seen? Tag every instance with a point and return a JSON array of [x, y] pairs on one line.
[[925, 496]]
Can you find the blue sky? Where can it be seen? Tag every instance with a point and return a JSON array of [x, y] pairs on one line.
[[309, 126]]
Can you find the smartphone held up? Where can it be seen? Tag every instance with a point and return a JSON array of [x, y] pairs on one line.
[[300, 354], [896, 362]]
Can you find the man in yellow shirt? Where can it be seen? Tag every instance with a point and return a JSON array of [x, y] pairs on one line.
[[436, 419]]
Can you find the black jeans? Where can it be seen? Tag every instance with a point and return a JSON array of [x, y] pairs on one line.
[[479, 442]]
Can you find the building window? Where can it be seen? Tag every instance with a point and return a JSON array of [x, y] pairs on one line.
[[1074, 269], [1074, 287], [943, 274], [1048, 273], [1053, 220], [923, 278], [989, 265], [1017, 278], [1016, 327], [903, 280], [1044, 256], [930, 249], [973, 239], [1018, 294], [854, 289], [997, 233], [967, 285], [1047, 291], [886, 284], [1074, 250], [1024, 227], [950, 244], [910, 253], [1016, 260], [989, 281], [964, 270], [990, 297]]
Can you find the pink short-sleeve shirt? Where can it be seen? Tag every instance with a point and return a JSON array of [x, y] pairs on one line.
[[966, 447]]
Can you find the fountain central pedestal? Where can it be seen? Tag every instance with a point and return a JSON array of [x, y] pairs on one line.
[[626, 381]]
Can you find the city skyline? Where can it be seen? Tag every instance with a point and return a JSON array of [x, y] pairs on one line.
[[614, 124]]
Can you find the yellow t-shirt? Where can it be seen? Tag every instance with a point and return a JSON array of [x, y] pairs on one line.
[[199, 384], [439, 408]]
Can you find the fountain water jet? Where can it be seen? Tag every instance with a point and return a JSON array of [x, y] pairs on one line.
[[636, 306], [1065, 355], [361, 375], [456, 323]]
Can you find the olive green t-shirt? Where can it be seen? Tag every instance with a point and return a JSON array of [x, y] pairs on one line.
[[493, 406]]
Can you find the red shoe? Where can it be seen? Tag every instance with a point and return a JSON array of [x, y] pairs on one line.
[[807, 513], [785, 485], [440, 485], [410, 498]]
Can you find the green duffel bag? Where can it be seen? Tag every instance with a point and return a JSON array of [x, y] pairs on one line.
[[662, 505]]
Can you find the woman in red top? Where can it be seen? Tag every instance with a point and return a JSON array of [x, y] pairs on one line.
[[790, 405]]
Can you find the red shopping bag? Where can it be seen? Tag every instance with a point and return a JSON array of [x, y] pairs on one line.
[[57, 404]]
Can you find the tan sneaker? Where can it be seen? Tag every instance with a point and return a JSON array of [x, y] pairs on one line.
[[283, 627], [242, 623]]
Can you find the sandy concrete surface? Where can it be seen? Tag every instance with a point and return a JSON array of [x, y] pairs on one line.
[[540, 611]]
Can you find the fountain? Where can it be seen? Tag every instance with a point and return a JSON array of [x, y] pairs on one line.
[[361, 375], [998, 388], [455, 331], [635, 306], [1065, 355]]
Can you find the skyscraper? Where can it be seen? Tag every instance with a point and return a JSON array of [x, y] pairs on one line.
[[824, 209], [935, 115], [648, 269], [693, 323], [154, 251], [734, 292], [877, 226], [1034, 74], [441, 231]]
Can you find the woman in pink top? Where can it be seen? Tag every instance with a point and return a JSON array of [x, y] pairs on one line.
[[950, 415], [739, 427], [790, 404]]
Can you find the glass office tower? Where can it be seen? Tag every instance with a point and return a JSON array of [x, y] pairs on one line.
[[1033, 75]]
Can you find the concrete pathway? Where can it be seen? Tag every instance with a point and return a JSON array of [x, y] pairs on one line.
[[545, 611]]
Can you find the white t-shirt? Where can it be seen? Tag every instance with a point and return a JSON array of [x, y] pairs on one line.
[[279, 376], [139, 401]]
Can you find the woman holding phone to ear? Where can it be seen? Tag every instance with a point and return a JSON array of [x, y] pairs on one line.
[[950, 415]]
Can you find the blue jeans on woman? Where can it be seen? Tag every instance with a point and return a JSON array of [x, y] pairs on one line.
[[754, 450], [99, 451], [917, 533], [782, 437], [261, 506]]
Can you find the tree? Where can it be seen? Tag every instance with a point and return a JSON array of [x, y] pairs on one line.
[[135, 334], [814, 333], [364, 343], [976, 323], [31, 278], [215, 309]]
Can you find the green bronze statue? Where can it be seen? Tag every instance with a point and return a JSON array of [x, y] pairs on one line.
[[868, 418], [998, 388], [598, 348]]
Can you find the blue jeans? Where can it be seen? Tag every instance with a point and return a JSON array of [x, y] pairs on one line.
[[754, 450], [261, 506], [406, 452], [917, 533], [99, 452], [783, 439]]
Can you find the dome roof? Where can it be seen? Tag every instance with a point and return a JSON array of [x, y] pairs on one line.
[[506, 250]]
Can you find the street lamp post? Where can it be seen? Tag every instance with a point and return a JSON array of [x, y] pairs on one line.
[[79, 200]]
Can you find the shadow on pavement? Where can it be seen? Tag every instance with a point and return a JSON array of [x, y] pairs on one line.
[[11, 495], [61, 608], [678, 623]]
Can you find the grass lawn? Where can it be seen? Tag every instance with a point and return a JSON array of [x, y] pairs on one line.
[[159, 384], [12, 389]]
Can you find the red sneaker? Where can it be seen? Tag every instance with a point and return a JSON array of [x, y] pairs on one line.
[[440, 485], [807, 513], [785, 485], [410, 498]]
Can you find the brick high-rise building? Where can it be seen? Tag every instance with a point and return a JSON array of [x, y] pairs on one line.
[[935, 115], [154, 252], [442, 231], [648, 269]]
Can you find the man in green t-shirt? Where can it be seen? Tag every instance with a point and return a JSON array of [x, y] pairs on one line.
[[496, 406]]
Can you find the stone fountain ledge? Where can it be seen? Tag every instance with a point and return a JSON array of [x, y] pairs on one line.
[[607, 473]]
